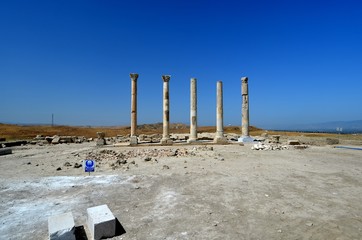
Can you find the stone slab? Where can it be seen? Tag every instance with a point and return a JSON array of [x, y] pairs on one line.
[[61, 227], [101, 222], [5, 151]]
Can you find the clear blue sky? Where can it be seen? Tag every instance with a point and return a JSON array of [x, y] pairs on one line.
[[73, 58]]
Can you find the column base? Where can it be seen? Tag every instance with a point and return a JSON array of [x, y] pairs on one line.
[[245, 139], [220, 140], [166, 141], [133, 140], [192, 140]]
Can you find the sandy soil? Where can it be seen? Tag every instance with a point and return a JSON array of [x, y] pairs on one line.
[[196, 192]]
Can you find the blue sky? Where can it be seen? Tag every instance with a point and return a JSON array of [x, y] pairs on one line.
[[73, 59]]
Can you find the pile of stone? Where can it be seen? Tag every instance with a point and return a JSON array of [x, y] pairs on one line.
[[267, 147], [42, 140], [108, 154], [274, 144]]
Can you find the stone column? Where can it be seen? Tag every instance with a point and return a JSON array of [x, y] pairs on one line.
[[166, 111], [245, 112], [219, 136], [193, 111], [133, 139]]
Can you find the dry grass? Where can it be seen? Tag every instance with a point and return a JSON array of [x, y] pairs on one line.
[[12, 132]]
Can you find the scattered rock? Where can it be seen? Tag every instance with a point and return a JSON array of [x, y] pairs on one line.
[[59, 168], [309, 224], [119, 162], [29, 163], [165, 167], [77, 165], [147, 159], [67, 164]]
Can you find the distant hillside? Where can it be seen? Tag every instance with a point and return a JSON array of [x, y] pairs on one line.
[[345, 126]]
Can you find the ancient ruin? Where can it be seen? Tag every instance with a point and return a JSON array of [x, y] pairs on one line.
[[166, 111], [219, 136], [133, 138], [245, 112], [193, 111]]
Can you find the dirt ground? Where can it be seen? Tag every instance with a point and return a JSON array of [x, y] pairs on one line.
[[186, 192]]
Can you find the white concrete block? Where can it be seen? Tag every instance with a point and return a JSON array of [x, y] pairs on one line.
[[61, 227], [101, 222]]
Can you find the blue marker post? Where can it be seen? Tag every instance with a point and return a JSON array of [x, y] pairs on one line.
[[89, 165]]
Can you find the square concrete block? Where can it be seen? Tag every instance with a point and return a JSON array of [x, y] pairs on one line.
[[61, 227], [101, 222]]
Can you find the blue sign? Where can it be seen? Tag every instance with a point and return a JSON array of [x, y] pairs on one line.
[[89, 165]]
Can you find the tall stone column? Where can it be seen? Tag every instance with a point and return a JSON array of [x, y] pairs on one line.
[[245, 112], [193, 111], [134, 77], [219, 136], [166, 111]]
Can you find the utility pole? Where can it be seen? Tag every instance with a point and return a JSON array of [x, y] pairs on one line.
[[52, 119]]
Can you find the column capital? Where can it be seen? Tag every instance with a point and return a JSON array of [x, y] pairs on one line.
[[134, 76], [166, 78], [244, 79]]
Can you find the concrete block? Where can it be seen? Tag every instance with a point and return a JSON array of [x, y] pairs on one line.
[[101, 222], [5, 151], [61, 227]]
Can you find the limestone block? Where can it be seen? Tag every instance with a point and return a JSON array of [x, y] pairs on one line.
[[101, 222], [56, 140], [100, 142], [133, 140], [61, 227]]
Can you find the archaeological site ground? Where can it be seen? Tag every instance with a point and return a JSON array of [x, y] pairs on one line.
[[282, 186]]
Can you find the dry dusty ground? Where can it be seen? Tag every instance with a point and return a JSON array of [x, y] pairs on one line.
[[224, 192]]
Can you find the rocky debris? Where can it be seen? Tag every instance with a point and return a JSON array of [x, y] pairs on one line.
[[332, 141], [59, 168], [275, 138], [165, 167], [146, 154], [67, 164], [39, 137], [293, 142], [232, 137], [206, 136], [77, 165], [263, 146]]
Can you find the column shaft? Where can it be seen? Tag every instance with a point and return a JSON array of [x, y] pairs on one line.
[[245, 107], [193, 110], [166, 110], [219, 136]]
